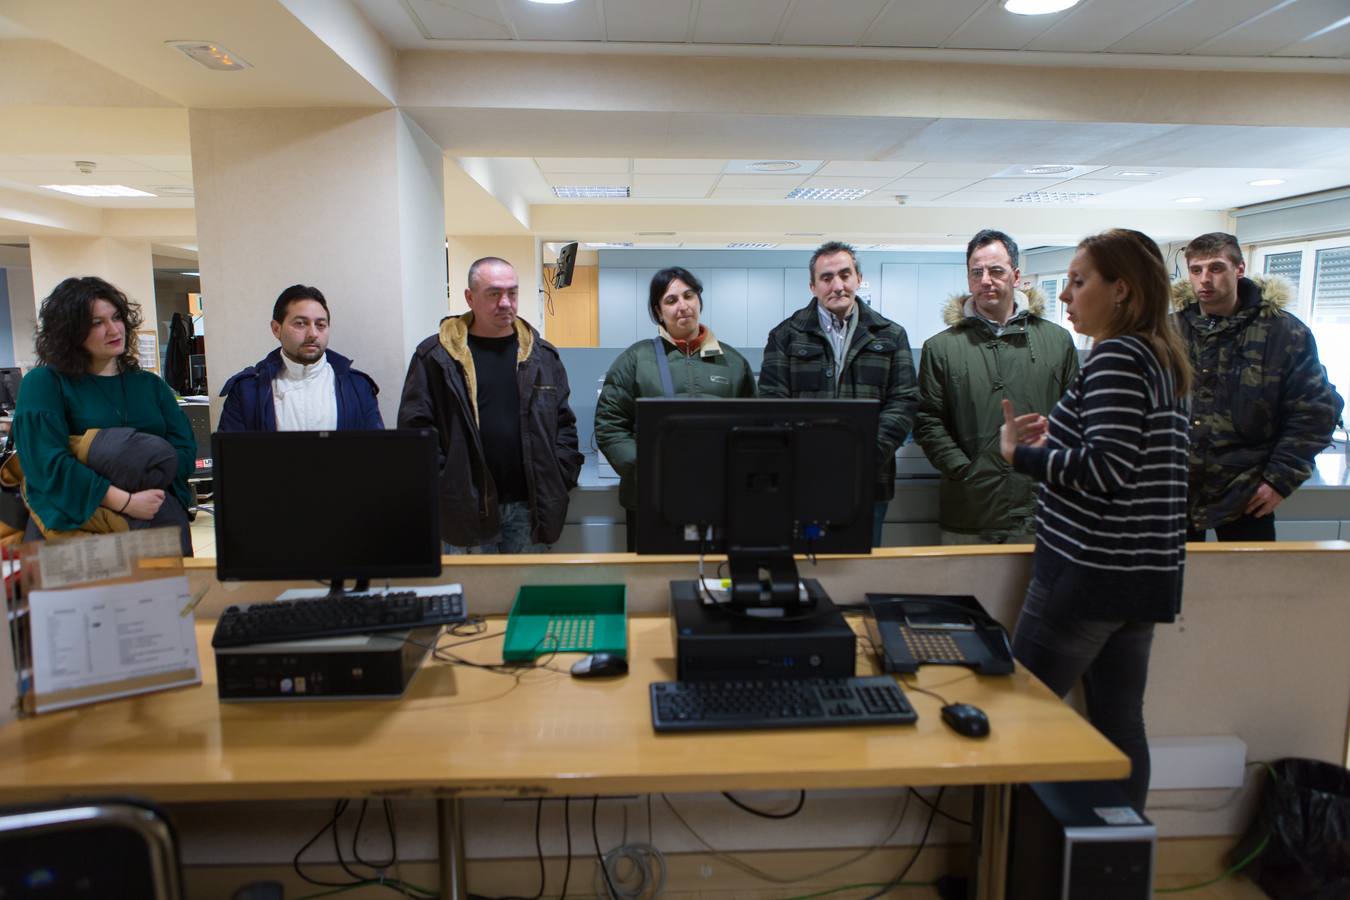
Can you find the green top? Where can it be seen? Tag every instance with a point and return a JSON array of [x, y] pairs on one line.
[[63, 491]]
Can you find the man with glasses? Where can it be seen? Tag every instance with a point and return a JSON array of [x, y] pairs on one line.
[[999, 345]]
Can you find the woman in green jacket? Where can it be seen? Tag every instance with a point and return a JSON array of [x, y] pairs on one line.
[[87, 377], [699, 367]]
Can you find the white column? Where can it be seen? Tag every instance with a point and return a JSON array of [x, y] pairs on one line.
[[349, 201], [126, 265]]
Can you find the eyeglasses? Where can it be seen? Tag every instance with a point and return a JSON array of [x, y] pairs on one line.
[[998, 273]]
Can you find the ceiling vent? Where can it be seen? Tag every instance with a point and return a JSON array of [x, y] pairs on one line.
[[1052, 197], [805, 193], [590, 192]]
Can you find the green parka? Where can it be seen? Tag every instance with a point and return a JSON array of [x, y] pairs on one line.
[[714, 370], [964, 373]]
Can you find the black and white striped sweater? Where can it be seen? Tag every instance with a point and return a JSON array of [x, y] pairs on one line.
[[1112, 510]]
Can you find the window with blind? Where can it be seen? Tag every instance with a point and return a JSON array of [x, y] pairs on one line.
[[1331, 285], [1050, 288], [1286, 265]]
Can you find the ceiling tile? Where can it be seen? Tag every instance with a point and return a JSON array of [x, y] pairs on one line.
[[1028, 143], [1331, 43], [549, 164], [678, 166], [919, 23], [992, 198], [723, 193], [942, 185], [829, 22], [867, 169], [662, 21], [1189, 25], [584, 179], [1203, 145], [674, 186], [748, 166], [1096, 185], [1096, 26], [846, 181], [465, 20], [1284, 25], [1014, 185], [994, 28], [784, 183], [954, 170], [576, 21], [738, 21]]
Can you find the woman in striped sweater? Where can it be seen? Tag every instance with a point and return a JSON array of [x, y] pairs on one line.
[[1111, 520]]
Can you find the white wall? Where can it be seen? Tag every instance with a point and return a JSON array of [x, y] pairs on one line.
[[421, 182], [22, 314]]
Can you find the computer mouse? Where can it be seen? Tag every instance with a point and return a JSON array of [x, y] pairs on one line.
[[598, 665], [966, 720]]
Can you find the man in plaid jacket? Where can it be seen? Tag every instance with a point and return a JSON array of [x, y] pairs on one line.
[[836, 347]]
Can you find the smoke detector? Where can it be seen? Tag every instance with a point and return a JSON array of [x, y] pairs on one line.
[[85, 167]]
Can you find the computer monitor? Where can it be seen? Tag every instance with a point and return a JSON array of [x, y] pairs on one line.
[[759, 480], [326, 505], [9, 387]]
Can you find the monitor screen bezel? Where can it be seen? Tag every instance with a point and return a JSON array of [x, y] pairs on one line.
[[282, 568], [656, 536]]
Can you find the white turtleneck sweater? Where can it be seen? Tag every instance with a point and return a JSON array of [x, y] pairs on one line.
[[305, 397]]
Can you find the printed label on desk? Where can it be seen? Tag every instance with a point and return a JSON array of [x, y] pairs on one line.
[[113, 640], [103, 556]]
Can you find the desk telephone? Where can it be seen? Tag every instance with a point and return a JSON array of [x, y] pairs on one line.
[[910, 630]]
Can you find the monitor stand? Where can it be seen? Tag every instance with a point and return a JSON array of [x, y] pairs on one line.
[[338, 586], [767, 581]]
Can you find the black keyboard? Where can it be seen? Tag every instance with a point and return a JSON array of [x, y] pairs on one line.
[[321, 617], [779, 703]]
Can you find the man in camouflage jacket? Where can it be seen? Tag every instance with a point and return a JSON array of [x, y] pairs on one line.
[[1261, 406], [838, 347]]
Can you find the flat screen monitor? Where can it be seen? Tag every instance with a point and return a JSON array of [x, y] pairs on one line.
[[567, 260], [326, 505], [758, 480], [9, 387]]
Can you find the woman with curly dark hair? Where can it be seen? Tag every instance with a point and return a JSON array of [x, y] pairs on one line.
[[88, 377]]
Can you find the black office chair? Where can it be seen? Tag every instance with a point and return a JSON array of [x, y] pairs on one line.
[[104, 849]]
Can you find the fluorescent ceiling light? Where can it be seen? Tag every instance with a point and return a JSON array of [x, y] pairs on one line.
[[750, 245], [1189, 200], [1266, 182], [193, 274], [1046, 170], [804, 193], [1137, 174], [551, 2], [1052, 197], [1037, 7], [607, 245], [776, 165], [589, 191], [98, 190], [211, 55]]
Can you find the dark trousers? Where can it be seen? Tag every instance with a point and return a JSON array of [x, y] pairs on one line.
[[1247, 528], [630, 528], [1059, 647]]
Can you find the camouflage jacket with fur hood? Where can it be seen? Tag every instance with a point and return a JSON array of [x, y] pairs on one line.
[[1261, 405], [964, 373]]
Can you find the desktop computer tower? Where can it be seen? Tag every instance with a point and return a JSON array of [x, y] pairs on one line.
[[1079, 840]]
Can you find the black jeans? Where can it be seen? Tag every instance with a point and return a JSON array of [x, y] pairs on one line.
[[1247, 528], [1058, 647]]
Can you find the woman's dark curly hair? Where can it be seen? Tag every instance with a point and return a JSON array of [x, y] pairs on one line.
[[65, 319]]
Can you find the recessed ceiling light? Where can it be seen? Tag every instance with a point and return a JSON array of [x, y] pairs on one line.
[[805, 234], [656, 234], [1046, 170], [776, 165], [1037, 7], [1137, 174], [551, 2], [1266, 182], [1189, 200], [608, 245], [98, 190], [828, 193], [211, 55], [192, 274], [749, 245], [589, 191]]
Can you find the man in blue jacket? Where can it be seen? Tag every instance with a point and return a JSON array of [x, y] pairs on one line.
[[301, 385]]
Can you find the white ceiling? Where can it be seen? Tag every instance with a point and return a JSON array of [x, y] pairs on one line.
[[168, 177], [1229, 28]]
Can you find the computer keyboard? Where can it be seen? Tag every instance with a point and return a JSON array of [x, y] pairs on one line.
[[778, 703], [294, 620]]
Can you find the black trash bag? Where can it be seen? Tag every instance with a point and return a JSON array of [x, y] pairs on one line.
[[1305, 811]]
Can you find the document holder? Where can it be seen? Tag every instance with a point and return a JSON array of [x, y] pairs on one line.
[[912, 630]]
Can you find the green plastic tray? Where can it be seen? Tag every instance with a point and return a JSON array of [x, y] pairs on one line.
[[567, 618]]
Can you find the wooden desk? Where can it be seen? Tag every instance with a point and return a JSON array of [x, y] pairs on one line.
[[461, 732]]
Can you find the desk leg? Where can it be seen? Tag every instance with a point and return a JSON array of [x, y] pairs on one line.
[[989, 842], [450, 834]]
